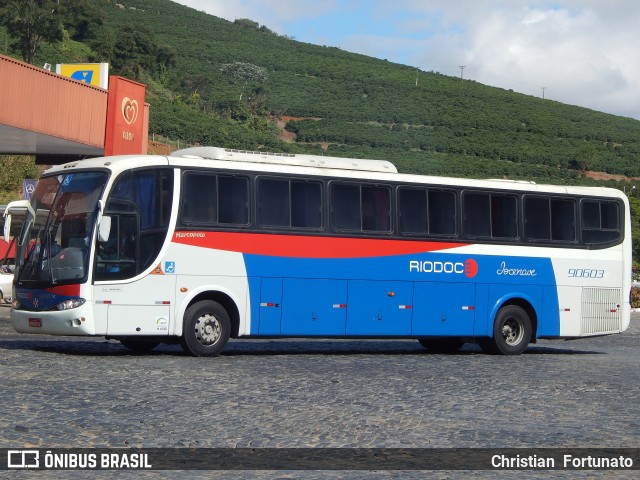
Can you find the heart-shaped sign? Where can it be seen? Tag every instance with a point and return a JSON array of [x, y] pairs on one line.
[[129, 110]]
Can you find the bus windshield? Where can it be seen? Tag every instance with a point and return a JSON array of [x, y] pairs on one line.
[[53, 247]]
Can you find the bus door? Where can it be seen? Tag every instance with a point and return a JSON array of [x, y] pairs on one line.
[[379, 308], [140, 308], [139, 209], [443, 309]]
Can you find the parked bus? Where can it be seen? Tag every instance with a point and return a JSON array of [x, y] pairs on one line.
[[209, 244]]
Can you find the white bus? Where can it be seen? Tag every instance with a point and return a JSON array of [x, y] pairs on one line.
[[210, 244]]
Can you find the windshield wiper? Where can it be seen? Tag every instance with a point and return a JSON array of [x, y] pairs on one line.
[[49, 260], [29, 262]]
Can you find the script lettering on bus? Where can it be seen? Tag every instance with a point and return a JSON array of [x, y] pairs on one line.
[[515, 272], [190, 235]]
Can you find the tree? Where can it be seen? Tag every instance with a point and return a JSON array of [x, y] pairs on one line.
[[244, 73], [195, 83], [246, 23], [82, 19], [31, 22], [13, 170], [583, 159], [103, 46], [136, 50], [165, 58]]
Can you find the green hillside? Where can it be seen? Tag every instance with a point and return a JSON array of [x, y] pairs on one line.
[[345, 104]]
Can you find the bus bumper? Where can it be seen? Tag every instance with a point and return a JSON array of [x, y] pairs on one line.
[[75, 321]]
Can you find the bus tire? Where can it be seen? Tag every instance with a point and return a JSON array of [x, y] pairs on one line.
[[511, 332], [206, 329], [442, 344]]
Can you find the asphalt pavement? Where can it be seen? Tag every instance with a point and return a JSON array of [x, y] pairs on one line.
[[72, 392]]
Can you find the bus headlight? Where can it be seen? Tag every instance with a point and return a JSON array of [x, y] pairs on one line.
[[71, 303], [15, 304]]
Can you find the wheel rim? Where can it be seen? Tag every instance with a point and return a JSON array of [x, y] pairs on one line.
[[208, 329], [512, 331]]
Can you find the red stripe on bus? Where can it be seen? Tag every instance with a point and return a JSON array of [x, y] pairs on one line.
[[302, 246], [65, 290]]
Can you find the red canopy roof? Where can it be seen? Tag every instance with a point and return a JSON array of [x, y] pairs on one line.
[[4, 247]]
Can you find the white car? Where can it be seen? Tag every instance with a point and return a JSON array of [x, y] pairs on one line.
[[6, 283]]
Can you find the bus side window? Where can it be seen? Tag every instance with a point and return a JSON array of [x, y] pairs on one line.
[[209, 199], [127, 238], [537, 218], [427, 211], [233, 200], [139, 205], [490, 215], [116, 258], [504, 216], [376, 208], [442, 212], [199, 198], [306, 204], [563, 220], [600, 222], [548, 218], [413, 210], [274, 207], [476, 210], [345, 206], [361, 207]]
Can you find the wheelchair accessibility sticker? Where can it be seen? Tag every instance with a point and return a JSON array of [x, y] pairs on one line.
[[169, 267]]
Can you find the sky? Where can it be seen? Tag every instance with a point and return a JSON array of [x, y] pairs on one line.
[[580, 52]]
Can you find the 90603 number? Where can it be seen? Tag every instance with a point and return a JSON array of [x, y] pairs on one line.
[[585, 273]]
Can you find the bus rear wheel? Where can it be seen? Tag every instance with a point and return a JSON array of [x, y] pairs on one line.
[[206, 329], [511, 332], [442, 344]]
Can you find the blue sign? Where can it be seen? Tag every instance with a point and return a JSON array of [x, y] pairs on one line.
[[28, 187], [83, 75]]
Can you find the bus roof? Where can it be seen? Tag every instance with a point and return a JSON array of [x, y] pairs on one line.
[[372, 170], [216, 153]]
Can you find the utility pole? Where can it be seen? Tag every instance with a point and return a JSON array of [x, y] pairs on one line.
[[543, 89], [461, 70]]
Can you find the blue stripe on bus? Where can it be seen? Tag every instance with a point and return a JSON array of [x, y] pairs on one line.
[[401, 295]]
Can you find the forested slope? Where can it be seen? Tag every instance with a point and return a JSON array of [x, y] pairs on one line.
[[216, 82]]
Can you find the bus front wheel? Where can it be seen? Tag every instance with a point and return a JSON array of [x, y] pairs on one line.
[[206, 329], [511, 332]]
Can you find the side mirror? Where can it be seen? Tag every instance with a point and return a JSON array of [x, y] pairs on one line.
[[18, 207], [7, 226], [104, 229]]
